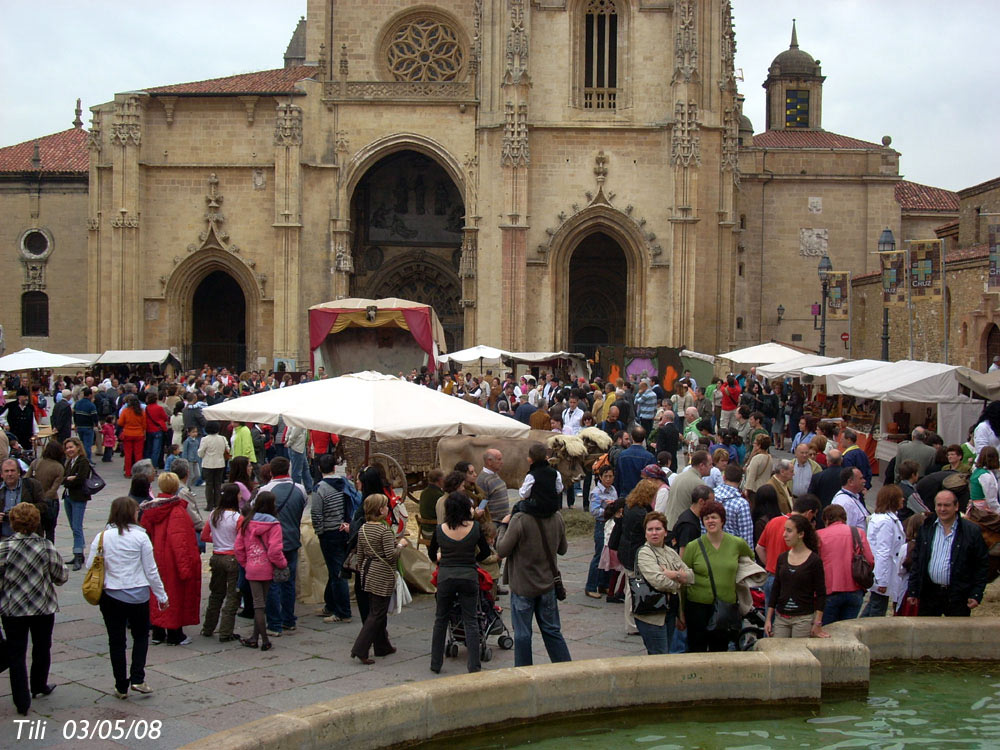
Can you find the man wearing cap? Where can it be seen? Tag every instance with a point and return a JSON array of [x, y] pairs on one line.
[[21, 418], [62, 417]]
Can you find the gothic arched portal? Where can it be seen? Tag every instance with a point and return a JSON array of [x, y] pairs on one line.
[[597, 294], [218, 323], [408, 216]]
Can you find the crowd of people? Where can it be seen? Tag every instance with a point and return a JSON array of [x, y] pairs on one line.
[[693, 514]]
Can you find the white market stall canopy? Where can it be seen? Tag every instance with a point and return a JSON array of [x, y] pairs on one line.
[[698, 355], [982, 384], [33, 359], [794, 367], [762, 354], [369, 406], [906, 380], [918, 382], [483, 355], [837, 373], [136, 357]]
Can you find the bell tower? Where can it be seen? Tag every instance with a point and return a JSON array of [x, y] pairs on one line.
[[794, 90]]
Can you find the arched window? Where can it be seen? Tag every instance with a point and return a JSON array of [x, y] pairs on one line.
[[600, 55], [34, 314]]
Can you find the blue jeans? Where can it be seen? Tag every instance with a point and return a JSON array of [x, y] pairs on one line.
[[767, 587], [656, 637], [300, 469], [337, 596], [843, 605], [877, 605], [86, 435], [280, 608], [678, 641], [74, 512], [597, 578], [154, 448], [545, 610]]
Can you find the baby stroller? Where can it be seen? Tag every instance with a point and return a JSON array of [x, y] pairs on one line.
[[752, 627], [489, 621]]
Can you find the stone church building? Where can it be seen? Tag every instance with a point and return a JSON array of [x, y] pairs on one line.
[[549, 174]]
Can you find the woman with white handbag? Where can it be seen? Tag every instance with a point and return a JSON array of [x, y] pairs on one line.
[[377, 553]]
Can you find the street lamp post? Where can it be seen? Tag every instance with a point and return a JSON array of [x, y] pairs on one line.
[[825, 266], [886, 244]]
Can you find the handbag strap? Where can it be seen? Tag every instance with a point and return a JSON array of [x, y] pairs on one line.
[[546, 547], [100, 545], [857, 541], [373, 549], [711, 578]]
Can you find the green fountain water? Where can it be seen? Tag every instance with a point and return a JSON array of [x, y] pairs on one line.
[[908, 705]]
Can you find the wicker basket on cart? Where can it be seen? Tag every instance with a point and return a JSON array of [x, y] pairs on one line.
[[406, 462]]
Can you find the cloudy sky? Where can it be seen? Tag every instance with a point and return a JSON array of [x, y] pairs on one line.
[[921, 71]]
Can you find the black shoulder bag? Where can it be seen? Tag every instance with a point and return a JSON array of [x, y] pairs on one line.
[[725, 616], [556, 575]]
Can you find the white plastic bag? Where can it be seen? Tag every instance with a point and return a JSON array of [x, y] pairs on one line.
[[400, 597]]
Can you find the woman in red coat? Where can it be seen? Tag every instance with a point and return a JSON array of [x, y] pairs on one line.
[[175, 551]]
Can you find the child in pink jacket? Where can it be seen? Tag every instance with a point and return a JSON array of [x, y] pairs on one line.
[[258, 549]]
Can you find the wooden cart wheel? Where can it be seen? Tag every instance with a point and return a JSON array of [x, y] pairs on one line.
[[394, 473]]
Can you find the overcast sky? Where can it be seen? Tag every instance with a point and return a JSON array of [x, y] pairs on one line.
[[922, 71]]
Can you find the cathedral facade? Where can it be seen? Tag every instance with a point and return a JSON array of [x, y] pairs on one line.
[[548, 174]]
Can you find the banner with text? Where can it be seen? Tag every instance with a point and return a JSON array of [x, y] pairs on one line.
[[893, 277], [925, 271], [994, 239], [837, 301]]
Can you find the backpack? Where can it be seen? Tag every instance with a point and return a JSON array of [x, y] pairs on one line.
[[600, 462]]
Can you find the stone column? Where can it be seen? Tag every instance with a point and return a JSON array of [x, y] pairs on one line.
[[95, 283], [126, 270], [288, 311], [515, 156], [467, 272]]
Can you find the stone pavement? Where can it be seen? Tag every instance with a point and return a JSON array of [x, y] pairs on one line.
[[207, 686]]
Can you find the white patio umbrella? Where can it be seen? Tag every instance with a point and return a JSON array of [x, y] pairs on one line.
[[33, 359], [369, 406], [762, 354]]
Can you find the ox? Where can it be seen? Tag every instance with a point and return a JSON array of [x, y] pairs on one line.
[[568, 454]]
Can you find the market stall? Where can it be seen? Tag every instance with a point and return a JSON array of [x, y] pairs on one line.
[[388, 335], [913, 393], [762, 354], [794, 368]]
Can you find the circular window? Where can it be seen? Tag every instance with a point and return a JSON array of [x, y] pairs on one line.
[[36, 243], [424, 47]]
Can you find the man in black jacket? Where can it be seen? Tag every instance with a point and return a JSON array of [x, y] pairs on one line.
[[826, 484], [950, 562], [17, 489], [62, 417]]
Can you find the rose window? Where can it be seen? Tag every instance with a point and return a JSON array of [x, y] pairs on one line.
[[425, 49]]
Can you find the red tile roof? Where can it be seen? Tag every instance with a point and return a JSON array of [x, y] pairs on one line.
[[947, 226], [278, 81], [968, 253], [59, 152], [809, 139], [912, 196]]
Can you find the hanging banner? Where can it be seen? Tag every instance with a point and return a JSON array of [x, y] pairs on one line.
[[994, 239], [837, 300], [893, 277], [925, 271]]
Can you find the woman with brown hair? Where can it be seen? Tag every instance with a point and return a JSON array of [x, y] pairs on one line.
[[817, 450], [798, 595], [133, 423], [30, 568], [887, 538], [130, 573], [75, 497], [640, 501], [378, 552], [760, 465], [48, 469]]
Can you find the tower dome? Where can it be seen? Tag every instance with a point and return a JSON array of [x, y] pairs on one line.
[[794, 61]]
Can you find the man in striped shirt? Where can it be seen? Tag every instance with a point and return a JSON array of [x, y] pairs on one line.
[[738, 520], [950, 562]]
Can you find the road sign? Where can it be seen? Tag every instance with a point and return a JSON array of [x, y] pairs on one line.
[[845, 336]]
